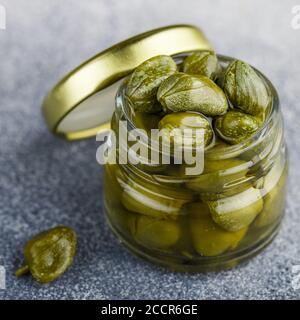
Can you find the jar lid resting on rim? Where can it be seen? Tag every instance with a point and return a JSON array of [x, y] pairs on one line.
[[81, 104]]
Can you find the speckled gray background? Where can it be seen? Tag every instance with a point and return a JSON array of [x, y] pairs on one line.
[[45, 181]]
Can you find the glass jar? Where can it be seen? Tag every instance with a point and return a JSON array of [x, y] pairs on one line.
[[207, 222]]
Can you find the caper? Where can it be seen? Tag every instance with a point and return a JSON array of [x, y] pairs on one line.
[[273, 190], [219, 145], [156, 233], [187, 138], [183, 92], [145, 80], [245, 88], [226, 192], [218, 174], [236, 126], [146, 121], [123, 220], [208, 238], [119, 216], [152, 168], [237, 212], [148, 198], [113, 179], [237, 165], [204, 63], [49, 254]]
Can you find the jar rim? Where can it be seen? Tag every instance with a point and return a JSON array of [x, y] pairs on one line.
[[230, 150]]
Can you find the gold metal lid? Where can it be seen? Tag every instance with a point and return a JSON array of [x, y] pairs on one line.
[[82, 103]]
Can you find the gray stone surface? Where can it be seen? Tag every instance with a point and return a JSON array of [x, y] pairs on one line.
[[45, 181]]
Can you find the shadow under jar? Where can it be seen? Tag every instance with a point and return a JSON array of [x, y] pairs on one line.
[[208, 222]]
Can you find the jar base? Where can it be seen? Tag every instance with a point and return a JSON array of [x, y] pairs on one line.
[[201, 264]]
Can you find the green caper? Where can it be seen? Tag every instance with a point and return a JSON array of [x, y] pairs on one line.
[[152, 168], [49, 254], [217, 175], [219, 145], [122, 219], [224, 164], [156, 233], [146, 121], [145, 80], [237, 212], [149, 198], [204, 63], [236, 126], [213, 196], [245, 88], [114, 179], [208, 238], [273, 190], [185, 120], [183, 92]]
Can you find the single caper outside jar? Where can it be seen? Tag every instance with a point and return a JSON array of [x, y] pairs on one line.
[[211, 221]]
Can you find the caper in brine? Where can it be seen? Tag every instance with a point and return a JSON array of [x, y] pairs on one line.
[[156, 233], [273, 190], [203, 63], [49, 254], [183, 92], [237, 212], [175, 131], [218, 175], [245, 89], [236, 126], [146, 121], [150, 199], [208, 238], [145, 80]]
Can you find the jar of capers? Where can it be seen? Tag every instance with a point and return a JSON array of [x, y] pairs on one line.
[[231, 210]]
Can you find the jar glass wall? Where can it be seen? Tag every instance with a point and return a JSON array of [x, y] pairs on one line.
[[206, 222]]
